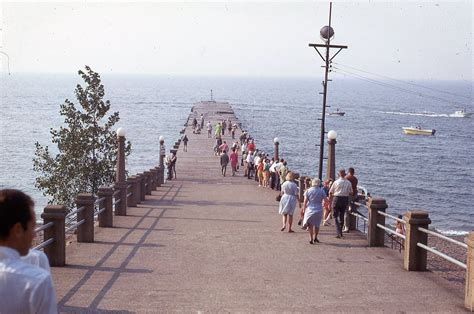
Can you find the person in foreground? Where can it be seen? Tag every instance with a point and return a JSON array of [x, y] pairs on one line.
[[313, 209], [24, 288], [289, 192]]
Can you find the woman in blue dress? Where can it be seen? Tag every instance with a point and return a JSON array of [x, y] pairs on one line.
[[313, 209], [289, 197]]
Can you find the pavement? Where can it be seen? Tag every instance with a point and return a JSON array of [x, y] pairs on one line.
[[208, 243]]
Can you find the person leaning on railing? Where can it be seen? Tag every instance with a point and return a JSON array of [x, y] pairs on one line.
[[24, 287]]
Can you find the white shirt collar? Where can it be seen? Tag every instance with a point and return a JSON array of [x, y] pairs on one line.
[[6, 252]]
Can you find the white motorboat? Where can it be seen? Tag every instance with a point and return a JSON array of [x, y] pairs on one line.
[[460, 114], [337, 113], [418, 131]]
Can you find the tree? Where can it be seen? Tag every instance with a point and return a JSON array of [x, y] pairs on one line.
[[86, 143]]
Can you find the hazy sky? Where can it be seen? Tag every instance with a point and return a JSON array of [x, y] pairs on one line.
[[402, 39]]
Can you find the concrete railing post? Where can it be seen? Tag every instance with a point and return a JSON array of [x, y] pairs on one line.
[[147, 175], [121, 208], [142, 186], [136, 189], [85, 232], [131, 200], [376, 236], [154, 177], [415, 256], [106, 218], [469, 292], [158, 176], [301, 185], [56, 251], [276, 153]]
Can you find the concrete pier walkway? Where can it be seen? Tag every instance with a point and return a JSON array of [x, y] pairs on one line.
[[207, 243]]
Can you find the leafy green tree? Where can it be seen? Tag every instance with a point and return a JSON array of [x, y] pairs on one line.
[[86, 144]]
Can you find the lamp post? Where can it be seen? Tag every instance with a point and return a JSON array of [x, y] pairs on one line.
[[162, 159], [120, 183], [331, 166], [276, 142]]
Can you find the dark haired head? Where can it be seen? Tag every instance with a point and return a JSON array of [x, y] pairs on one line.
[[350, 170], [15, 207]]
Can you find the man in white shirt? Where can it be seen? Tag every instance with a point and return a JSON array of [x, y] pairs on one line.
[[24, 288], [339, 194]]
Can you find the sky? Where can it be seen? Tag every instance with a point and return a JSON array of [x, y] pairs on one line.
[[400, 39]]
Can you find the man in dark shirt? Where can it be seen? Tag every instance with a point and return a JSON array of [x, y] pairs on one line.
[[353, 180]]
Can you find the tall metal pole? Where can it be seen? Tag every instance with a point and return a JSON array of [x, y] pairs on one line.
[[326, 33], [323, 118]]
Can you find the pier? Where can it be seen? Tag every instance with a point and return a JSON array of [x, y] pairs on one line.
[[207, 243]]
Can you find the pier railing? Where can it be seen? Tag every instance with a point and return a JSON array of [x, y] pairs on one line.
[[414, 240], [91, 211]]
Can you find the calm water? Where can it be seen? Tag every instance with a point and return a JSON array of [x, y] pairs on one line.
[[425, 172]]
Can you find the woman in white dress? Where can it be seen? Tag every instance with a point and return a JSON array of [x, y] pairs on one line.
[[313, 209], [289, 197]]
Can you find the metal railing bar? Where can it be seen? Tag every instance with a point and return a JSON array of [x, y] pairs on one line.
[[360, 216], [129, 194], [44, 227], [146, 184], [117, 201], [44, 244], [391, 231], [99, 200], [129, 186], [361, 205], [390, 216], [77, 224], [446, 257], [116, 193], [78, 210], [100, 211], [464, 245]]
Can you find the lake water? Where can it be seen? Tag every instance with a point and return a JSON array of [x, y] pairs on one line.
[[434, 173]]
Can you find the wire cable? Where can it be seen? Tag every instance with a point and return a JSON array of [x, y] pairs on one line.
[[404, 82]]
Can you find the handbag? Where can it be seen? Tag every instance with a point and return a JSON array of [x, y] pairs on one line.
[[278, 198]]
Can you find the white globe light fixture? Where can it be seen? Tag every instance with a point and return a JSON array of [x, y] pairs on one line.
[[120, 132], [332, 135], [161, 138], [276, 140]]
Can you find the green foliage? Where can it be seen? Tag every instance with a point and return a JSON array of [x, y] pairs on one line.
[[87, 146]]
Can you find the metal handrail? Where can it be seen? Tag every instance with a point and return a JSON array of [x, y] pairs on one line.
[[146, 184], [44, 227], [117, 201], [463, 245], [78, 210], [391, 231], [100, 210], [390, 216], [97, 201], [44, 244], [74, 226], [129, 194], [129, 186], [116, 193], [360, 216], [446, 257]]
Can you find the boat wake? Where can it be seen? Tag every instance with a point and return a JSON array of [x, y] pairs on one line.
[[423, 114]]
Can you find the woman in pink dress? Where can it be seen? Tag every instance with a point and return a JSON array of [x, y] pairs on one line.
[[234, 160]]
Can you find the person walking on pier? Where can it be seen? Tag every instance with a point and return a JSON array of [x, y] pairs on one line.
[[312, 210], [24, 288], [250, 162], [185, 143], [234, 160], [326, 204], [172, 166], [209, 129], [202, 121], [218, 128], [339, 195], [224, 125], [289, 198], [224, 162], [352, 198], [195, 122]]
